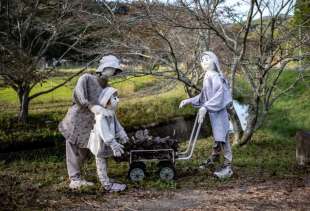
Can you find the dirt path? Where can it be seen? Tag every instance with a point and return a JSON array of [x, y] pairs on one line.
[[246, 193], [276, 195]]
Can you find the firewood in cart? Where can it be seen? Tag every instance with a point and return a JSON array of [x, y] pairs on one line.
[[142, 140]]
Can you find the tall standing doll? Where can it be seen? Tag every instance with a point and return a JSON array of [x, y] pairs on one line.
[[214, 98]]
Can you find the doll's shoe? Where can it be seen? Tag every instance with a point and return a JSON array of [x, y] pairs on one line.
[[224, 172], [210, 162], [77, 184], [115, 187]]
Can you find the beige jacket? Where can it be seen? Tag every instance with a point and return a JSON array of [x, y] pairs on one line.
[[79, 120]]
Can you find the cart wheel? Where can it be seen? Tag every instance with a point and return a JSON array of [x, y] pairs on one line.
[[166, 170], [136, 171]]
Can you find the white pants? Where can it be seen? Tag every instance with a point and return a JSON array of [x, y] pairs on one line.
[[75, 157], [102, 172]]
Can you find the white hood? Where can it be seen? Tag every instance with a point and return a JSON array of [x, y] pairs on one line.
[[215, 60], [105, 95]]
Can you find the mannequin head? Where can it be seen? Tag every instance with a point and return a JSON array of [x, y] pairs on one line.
[[108, 66], [209, 62], [107, 72], [206, 63], [113, 102], [103, 76], [109, 98]]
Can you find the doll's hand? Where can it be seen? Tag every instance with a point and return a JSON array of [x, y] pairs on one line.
[[97, 110], [201, 114], [124, 139], [183, 103], [118, 149]]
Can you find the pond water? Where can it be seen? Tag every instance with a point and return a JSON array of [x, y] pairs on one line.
[[181, 127]]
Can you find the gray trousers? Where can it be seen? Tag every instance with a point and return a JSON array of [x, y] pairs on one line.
[[75, 157], [218, 147]]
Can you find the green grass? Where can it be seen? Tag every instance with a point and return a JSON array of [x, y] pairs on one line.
[[291, 112], [153, 109], [130, 85], [63, 94], [265, 158], [272, 149], [126, 86], [138, 109], [47, 111], [270, 156]]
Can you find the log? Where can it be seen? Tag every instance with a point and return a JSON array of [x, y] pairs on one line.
[[142, 140], [303, 148]]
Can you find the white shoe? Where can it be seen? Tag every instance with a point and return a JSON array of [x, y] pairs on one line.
[[115, 187], [225, 172], [76, 184]]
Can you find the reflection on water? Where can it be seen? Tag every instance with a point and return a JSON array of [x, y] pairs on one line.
[[242, 112]]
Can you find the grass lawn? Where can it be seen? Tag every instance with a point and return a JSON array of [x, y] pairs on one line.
[[137, 107], [42, 173]]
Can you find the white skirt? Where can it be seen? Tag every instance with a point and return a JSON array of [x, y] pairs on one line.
[[220, 124]]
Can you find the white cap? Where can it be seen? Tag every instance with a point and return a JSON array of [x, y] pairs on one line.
[[109, 61], [105, 95]]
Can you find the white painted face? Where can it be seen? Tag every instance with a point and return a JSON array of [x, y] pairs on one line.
[[107, 72], [113, 102], [207, 63]]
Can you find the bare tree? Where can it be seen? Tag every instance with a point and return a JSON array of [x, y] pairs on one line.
[[31, 31], [151, 42], [259, 47]]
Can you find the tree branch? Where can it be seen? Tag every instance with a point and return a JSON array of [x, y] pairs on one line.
[[66, 81]]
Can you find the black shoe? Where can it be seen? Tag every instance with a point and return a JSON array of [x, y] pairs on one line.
[[210, 162]]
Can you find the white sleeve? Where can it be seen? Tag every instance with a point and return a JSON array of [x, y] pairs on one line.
[[216, 101], [103, 129], [195, 101], [120, 132]]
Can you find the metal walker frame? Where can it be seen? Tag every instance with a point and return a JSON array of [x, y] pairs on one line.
[[186, 155]]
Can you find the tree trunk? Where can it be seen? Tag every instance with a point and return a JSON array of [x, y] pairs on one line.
[[236, 125], [23, 95], [238, 132], [251, 125], [261, 119]]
